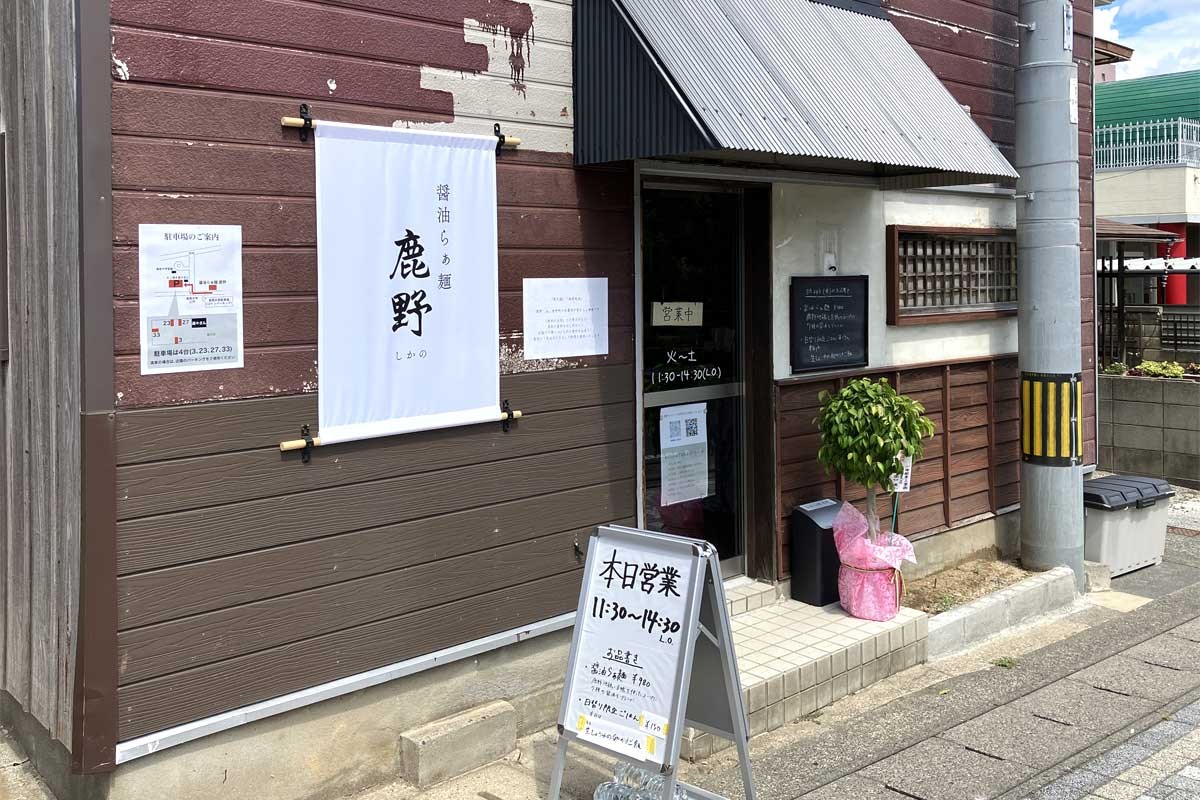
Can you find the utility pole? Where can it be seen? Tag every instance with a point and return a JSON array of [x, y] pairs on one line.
[[1049, 317]]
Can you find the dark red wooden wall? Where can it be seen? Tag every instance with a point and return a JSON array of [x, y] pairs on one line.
[[972, 46]]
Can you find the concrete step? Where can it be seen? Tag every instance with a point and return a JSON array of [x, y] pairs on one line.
[[454, 745], [743, 595], [796, 658]]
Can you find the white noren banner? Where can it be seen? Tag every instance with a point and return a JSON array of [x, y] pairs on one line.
[[408, 321]]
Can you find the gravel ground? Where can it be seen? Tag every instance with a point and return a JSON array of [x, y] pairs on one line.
[[1185, 510]]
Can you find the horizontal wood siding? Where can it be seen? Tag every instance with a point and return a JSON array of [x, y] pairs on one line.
[[198, 90], [244, 573], [968, 468], [40, 516], [971, 45]]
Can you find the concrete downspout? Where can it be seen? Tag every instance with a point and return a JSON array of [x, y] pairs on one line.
[[1049, 322]]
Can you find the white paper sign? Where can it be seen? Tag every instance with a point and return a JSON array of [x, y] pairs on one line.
[[629, 648], [190, 297], [677, 315], [565, 317], [683, 453], [902, 481], [408, 319]]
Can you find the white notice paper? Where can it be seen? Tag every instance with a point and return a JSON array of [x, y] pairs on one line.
[[408, 324], [565, 317], [190, 297], [683, 453], [629, 648]]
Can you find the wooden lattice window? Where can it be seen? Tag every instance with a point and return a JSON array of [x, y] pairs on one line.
[[950, 274]]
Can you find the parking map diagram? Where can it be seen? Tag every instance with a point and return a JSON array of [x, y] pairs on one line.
[[190, 297]]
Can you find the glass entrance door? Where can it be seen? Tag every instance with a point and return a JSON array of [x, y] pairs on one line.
[[693, 467]]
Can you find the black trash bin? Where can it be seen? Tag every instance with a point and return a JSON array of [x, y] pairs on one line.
[[814, 559]]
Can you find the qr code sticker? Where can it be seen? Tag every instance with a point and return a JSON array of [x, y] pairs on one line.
[[693, 427], [675, 430]]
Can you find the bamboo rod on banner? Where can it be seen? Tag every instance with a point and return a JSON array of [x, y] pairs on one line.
[[508, 143], [303, 444]]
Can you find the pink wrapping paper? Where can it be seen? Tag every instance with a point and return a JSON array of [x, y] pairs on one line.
[[869, 581]]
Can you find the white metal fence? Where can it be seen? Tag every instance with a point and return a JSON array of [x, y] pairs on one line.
[[1168, 142]]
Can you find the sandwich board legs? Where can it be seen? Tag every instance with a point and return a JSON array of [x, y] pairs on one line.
[[560, 763], [612, 622]]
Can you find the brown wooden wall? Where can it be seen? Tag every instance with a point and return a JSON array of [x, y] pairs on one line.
[[245, 574], [198, 90], [970, 467], [972, 46]]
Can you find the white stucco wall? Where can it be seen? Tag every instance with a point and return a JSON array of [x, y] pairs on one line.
[[861, 216]]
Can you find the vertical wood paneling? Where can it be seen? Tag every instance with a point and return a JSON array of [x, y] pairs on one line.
[[40, 393], [967, 468], [16, 541], [35, 229], [64, 323]]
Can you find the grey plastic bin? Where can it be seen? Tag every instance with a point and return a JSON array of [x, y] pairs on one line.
[[1126, 521]]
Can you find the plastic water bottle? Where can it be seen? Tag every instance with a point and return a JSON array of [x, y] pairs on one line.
[[629, 775], [631, 782]]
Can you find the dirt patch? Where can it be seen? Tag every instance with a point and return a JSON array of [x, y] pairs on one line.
[[943, 591]]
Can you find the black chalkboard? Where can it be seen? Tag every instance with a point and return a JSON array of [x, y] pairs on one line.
[[829, 322]]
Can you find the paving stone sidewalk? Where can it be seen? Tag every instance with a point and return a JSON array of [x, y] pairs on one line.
[[1051, 726], [1162, 762]]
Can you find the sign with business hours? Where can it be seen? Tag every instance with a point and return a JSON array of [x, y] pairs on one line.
[[190, 297], [408, 322], [677, 315], [630, 647]]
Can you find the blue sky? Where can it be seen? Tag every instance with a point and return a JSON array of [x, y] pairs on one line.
[[1165, 34]]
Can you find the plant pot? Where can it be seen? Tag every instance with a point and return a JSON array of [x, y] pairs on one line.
[[870, 585]]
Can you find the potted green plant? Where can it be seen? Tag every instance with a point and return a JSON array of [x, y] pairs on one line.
[[867, 431]]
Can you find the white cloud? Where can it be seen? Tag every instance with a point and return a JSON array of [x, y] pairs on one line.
[[1169, 45], [1105, 23], [1143, 8]]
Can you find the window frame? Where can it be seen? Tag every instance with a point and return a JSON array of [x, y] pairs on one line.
[[898, 317]]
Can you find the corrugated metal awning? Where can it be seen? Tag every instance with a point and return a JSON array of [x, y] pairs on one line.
[[1164, 266], [789, 78]]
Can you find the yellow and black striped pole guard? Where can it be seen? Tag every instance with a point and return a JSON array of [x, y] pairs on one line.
[[1052, 419]]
